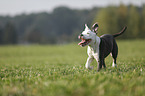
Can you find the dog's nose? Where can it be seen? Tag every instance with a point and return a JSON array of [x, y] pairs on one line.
[[80, 36]]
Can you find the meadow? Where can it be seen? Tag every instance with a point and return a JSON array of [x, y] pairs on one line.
[[58, 70]]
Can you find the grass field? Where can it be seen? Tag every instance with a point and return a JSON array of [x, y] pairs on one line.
[[58, 70]]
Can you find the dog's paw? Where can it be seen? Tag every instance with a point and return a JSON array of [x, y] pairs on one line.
[[91, 67], [114, 65]]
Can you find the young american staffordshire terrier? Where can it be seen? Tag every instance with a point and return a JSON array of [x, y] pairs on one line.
[[99, 47]]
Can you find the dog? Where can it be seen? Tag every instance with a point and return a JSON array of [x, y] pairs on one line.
[[99, 47]]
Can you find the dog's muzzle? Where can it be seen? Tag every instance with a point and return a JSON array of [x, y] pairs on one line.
[[84, 42]]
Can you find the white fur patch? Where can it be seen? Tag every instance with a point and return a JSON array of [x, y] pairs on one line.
[[93, 48], [114, 65]]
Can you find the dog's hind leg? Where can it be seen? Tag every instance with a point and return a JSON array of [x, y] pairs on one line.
[[114, 59], [114, 54]]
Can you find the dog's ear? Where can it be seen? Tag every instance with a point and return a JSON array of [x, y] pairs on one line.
[[86, 27], [95, 27]]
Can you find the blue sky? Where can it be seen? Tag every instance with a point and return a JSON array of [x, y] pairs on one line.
[[15, 7]]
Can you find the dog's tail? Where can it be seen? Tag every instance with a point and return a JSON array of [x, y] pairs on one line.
[[122, 31]]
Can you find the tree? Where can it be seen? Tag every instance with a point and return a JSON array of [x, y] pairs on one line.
[[33, 36], [9, 34], [133, 22], [107, 19], [122, 18], [1, 36], [122, 13], [142, 32]]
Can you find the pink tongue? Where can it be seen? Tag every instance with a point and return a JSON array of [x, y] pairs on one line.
[[81, 42]]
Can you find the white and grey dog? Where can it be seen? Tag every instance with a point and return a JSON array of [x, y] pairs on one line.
[[99, 47]]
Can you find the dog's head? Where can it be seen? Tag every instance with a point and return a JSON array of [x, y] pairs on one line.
[[87, 37]]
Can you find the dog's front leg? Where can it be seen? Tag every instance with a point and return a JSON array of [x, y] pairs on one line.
[[89, 60], [99, 61]]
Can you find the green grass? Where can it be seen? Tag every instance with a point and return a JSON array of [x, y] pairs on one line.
[[58, 70]]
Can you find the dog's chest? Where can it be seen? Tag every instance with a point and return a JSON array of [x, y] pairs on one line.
[[94, 51]]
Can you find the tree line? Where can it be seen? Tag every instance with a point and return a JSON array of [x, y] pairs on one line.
[[63, 25], [113, 19]]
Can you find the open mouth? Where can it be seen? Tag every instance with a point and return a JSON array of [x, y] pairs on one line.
[[84, 42]]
